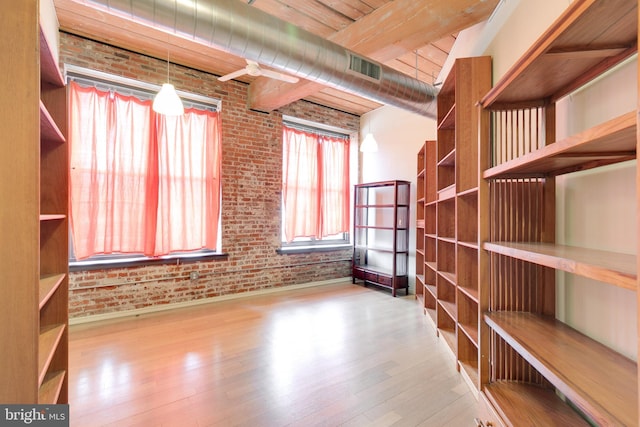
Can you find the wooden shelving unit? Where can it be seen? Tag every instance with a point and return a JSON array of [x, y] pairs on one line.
[[452, 231], [34, 200], [381, 234], [535, 358]]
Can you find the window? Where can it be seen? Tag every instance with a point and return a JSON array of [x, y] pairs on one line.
[[141, 183], [315, 187]]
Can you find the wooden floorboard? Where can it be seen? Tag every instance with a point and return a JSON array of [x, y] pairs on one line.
[[334, 355]]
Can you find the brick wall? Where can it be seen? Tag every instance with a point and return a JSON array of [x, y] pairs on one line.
[[251, 177]]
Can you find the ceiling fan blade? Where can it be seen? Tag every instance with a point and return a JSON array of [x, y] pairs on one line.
[[233, 75], [279, 76]]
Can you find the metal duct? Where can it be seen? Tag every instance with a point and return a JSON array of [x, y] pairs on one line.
[[242, 30]]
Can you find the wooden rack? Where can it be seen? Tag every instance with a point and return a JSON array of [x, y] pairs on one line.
[[534, 356]]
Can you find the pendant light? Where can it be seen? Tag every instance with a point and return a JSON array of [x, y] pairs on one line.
[[369, 144], [167, 101]]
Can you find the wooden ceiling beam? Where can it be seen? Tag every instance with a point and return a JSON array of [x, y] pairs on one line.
[[386, 33]]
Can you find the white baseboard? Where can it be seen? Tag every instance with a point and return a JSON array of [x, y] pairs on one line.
[[192, 303]]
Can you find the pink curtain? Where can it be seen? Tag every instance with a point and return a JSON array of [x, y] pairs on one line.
[[134, 176], [189, 181], [315, 184]]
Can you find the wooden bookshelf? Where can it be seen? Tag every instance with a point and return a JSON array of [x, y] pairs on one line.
[[542, 371], [33, 189], [452, 228]]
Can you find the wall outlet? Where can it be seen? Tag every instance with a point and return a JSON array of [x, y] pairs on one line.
[[194, 275]]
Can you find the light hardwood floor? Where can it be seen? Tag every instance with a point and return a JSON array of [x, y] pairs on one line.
[[334, 355]]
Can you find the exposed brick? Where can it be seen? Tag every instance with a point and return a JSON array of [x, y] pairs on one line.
[[251, 197]]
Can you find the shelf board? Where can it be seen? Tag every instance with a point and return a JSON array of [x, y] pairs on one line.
[[431, 289], [449, 307], [49, 130], [50, 389], [529, 404], [378, 227], [610, 267], [451, 277], [469, 192], [471, 332], [431, 265], [376, 206], [373, 269], [447, 239], [449, 337], [52, 217], [447, 193], [590, 37], [48, 343], [472, 245], [471, 293], [379, 249], [610, 142], [599, 381], [431, 313], [49, 69], [449, 120], [471, 371], [449, 160], [420, 223], [48, 286]]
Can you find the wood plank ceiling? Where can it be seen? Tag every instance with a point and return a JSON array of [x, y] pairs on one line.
[[411, 36]]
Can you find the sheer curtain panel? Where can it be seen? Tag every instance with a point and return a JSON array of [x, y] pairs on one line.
[[141, 182], [315, 184]]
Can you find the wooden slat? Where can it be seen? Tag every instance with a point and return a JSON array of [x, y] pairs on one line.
[[610, 142], [609, 267], [599, 381], [521, 404]]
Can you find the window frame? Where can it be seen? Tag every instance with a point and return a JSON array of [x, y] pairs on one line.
[[300, 244], [146, 91]]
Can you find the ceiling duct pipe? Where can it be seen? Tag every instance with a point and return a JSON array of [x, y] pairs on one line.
[[240, 29]]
